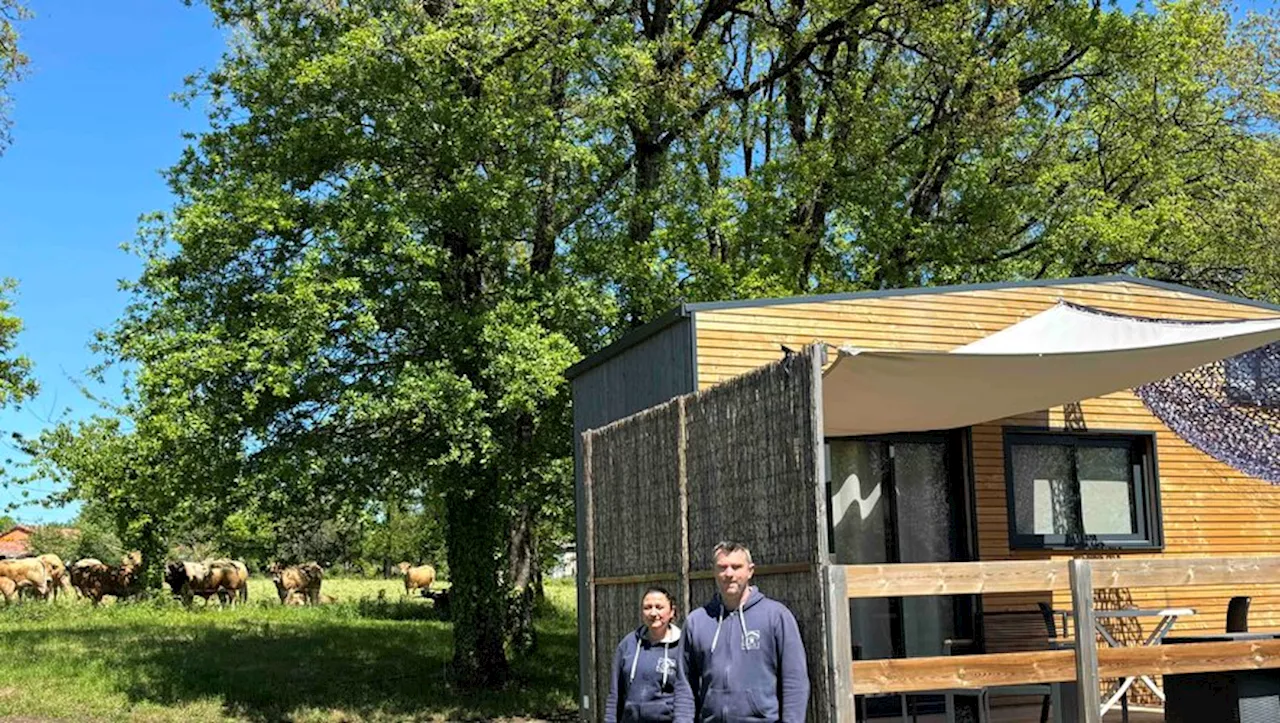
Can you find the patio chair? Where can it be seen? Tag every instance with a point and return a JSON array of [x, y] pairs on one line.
[[1238, 614], [1032, 630]]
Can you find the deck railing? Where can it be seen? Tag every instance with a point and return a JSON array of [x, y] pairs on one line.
[[1084, 664]]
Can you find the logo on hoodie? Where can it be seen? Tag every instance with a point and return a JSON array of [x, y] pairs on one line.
[[751, 640], [666, 666]]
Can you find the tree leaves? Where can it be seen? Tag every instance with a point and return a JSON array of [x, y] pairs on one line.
[[16, 382]]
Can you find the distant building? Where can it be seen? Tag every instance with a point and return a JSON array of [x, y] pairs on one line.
[[566, 564], [15, 542]]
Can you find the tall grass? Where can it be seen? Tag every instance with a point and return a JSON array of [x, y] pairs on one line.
[[360, 659]]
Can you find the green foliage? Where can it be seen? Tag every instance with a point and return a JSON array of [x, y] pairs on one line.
[[56, 539], [408, 532], [133, 499], [16, 383], [88, 536], [12, 60]]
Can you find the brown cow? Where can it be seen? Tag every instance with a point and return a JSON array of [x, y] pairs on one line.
[[77, 573], [57, 571], [417, 578], [228, 579], [27, 572], [95, 580], [298, 584]]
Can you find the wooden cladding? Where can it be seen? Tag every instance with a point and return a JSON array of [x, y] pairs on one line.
[[954, 578], [1208, 508], [1084, 663], [914, 675], [1014, 576]]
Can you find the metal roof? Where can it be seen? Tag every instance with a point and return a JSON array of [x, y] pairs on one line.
[[686, 310]]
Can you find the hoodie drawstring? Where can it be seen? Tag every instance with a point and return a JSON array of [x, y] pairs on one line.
[[742, 618], [666, 655], [719, 619], [636, 659]]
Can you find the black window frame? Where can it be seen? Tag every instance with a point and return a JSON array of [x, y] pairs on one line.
[[1149, 521]]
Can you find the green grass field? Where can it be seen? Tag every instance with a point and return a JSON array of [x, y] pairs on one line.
[[358, 659]]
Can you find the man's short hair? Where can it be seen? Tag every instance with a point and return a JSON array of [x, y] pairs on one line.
[[728, 547]]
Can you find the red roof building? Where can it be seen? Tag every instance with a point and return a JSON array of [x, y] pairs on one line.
[[14, 542]]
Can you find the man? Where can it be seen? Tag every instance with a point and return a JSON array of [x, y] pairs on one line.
[[743, 651]]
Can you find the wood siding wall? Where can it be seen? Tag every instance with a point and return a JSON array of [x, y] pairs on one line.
[[1209, 508]]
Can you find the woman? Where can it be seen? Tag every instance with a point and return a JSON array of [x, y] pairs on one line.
[[649, 683]]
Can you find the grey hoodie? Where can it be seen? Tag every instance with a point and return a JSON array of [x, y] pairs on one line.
[[746, 664]]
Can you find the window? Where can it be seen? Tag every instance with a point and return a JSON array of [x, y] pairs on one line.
[[1081, 491]]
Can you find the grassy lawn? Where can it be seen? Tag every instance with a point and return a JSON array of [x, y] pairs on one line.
[[359, 659]]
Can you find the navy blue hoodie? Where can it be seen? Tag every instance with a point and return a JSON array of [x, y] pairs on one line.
[[649, 682], [747, 664]]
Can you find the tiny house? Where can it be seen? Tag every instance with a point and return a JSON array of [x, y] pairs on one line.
[[1104, 476]]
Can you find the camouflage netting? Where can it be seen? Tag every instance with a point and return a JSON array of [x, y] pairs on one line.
[[1230, 410]]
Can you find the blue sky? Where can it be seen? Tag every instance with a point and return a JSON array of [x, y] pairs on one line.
[[94, 124]]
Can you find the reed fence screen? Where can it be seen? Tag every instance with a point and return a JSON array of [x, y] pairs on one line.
[[742, 461]]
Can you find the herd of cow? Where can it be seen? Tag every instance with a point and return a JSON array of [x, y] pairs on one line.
[[228, 580], [45, 575]]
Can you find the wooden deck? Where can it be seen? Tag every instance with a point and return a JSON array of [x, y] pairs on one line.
[[1031, 714]]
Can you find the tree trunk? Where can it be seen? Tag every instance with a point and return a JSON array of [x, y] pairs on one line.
[[475, 541], [387, 553], [522, 555], [544, 232], [522, 551], [539, 590]]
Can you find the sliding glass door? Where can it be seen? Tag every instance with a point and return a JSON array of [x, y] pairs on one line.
[[904, 498]]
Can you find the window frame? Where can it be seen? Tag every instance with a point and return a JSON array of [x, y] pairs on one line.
[[1146, 489]]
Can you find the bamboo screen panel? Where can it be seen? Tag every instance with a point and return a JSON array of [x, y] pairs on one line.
[[752, 478], [751, 472], [636, 495], [663, 486]]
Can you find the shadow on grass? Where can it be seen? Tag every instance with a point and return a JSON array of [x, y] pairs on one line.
[[282, 666]]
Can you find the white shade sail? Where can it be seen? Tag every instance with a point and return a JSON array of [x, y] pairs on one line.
[[1062, 355]]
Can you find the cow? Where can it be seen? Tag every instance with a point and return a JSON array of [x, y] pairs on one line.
[[77, 573], [439, 602], [417, 578], [27, 572], [95, 580], [298, 584], [57, 571], [228, 579]]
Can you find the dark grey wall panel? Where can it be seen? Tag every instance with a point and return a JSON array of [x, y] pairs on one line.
[[651, 372]]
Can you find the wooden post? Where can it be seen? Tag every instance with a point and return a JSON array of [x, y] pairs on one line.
[[839, 646], [590, 705], [814, 356], [839, 642], [682, 472], [1087, 684]]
